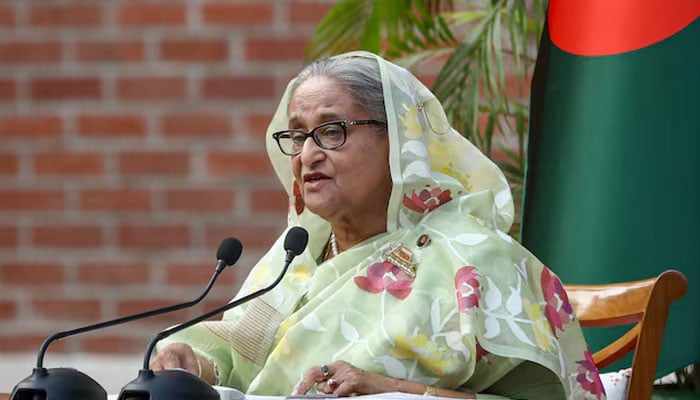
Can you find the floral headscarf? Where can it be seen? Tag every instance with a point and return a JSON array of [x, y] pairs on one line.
[[430, 162]]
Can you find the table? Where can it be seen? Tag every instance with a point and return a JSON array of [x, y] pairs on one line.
[[4, 396]]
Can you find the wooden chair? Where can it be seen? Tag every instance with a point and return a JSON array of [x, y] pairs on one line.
[[643, 303]]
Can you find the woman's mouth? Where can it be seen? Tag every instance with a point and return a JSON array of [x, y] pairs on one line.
[[314, 180]]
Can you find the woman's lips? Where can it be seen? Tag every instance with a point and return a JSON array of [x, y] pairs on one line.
[[314, 180]]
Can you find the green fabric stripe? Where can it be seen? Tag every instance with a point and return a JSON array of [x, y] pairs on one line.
[[613, 178]]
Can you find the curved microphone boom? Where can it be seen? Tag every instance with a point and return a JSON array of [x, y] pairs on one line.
[[228, 253], [69, 383], [176, 384]]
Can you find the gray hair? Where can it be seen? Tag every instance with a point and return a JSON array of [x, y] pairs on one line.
[[359, 75]]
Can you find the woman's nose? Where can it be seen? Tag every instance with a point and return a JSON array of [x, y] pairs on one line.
[[310, 151]]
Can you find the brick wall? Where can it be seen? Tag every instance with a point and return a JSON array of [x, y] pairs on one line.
[[131, 144]]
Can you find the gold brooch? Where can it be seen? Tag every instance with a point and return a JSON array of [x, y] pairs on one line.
[[400, 256]]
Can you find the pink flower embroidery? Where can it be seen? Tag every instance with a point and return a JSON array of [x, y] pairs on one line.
[[385, 276], [481, 353], [298, 199], [468, 288], [426, 200], [588, 376], [558, 309]]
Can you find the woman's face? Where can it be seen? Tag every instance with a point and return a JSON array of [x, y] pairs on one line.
[[350, 184]]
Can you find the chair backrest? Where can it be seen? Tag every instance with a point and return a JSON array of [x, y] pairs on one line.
[[642, 303]]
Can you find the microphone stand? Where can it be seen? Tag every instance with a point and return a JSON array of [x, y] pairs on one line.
[[71, 384], [178, 384]]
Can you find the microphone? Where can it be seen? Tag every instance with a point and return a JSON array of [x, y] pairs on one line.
[[69, 383], [178, 384]]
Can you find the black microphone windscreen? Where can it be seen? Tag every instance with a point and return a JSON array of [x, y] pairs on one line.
[[229, 250], [296, 240]]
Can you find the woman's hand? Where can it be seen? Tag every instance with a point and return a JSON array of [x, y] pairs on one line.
[[181, 355], [344, 379], [176, 355]]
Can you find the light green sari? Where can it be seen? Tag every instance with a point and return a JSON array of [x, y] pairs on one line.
[[482, 314]]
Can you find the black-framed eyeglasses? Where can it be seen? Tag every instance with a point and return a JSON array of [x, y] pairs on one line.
[[329, 135]]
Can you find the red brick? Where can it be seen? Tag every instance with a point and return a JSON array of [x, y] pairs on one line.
[[113, 273], [269, 200], [110, 51], [7, 16], [8, 236], [197, 125], [239, 88], [30, 127], [27, 343], [9, 164], [67, 236], [196, 274], [30, 52], [115, 200], [113, 344], [238, 164], [274, 49], [66, 15], [58, 309], [199, 200], [138, 14], [152, 88], [154, 163], [31, 274], [194, 50], [66, 89], [250, 236], [31, 200], [428, 79], [60, 163], [258, 123], [237, 14], [8, 90], [112, 125], [517, 90], [154, 236], [8, 309], [304, 11]]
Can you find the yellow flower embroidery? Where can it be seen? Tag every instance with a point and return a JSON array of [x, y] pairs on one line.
[[426, 352], [282, 349], [412, 124], [540, 325], [478, 220], [286, 324], [439, 154], [300, 273], [462, 178], [262, 277], [282, 346]]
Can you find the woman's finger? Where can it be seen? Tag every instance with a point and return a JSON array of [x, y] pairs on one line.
[[177, 355], [156, 364], [314, 375], [171, 359]]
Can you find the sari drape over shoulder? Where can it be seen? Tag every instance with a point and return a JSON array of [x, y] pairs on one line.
[[444, 297]]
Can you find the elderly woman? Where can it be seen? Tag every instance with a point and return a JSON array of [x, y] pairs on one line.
[[409, 283]]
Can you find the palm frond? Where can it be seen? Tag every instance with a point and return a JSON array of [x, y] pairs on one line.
[[342, 29], [404, 26]]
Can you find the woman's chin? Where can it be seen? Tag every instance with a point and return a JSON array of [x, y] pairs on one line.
[[320, 208]]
